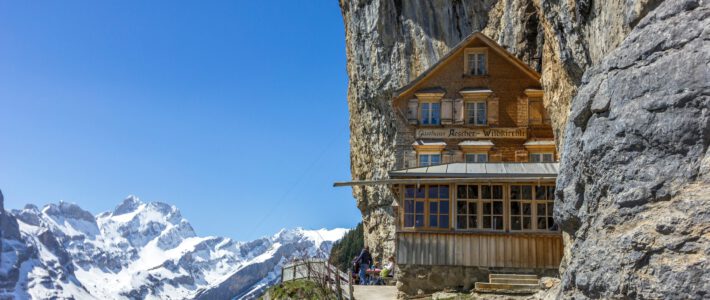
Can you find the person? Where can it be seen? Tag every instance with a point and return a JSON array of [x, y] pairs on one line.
[[387, 270], [364, 260]]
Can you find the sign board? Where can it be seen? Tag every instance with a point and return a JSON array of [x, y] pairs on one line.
[[472, 133]]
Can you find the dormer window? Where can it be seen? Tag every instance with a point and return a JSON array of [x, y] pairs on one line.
[[430, 113], [476, 63]]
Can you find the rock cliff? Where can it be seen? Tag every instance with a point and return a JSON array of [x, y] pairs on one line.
[[626, 85]]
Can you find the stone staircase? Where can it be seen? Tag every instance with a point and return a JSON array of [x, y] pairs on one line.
[[509, 284]]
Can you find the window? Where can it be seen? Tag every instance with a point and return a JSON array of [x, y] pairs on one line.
[[416, 199], [476, 113], [467, 206], [545, 157], [492, 199], [544, 200], [430, 113], [476, 63], [532, 211], [521, 201], [476, 157], [426, 160]]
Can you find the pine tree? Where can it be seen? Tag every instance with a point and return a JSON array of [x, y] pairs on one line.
[[347, 248]]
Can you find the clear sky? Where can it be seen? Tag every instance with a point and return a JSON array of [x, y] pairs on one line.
[[234, 111]]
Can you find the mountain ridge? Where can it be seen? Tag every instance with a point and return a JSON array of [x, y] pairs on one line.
[[144, 250]]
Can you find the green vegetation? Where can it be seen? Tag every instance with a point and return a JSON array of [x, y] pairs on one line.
[[346, 248], [298, 289]]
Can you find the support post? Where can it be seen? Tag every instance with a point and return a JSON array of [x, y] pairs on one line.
[[282, 275], [350, 284], [308, 270], [295, 266], [339, 291]]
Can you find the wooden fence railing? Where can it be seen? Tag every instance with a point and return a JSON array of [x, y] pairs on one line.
[[322, 272]]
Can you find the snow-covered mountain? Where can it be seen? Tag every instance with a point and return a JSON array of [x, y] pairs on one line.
[[139, 251]]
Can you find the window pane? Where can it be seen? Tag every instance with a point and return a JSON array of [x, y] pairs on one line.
[[551, 192], [487, 222], [541, 211], [515, 192], [534, 157], [541, 223], [435, 159], [461, 222], [527, 209], [409, 191], [408, 220], [461, 207], [444, 221], [443, 207], [472, 208], [540, 192], [515, 223], [419, 220], [550, 209], [498, 207], [472, 64], [527, 223], [472, 192], [481, 113], [470, 113], [470, 158], [514, 207], [472, 222], [497, 192], [481, 65], [487, 208], [432, 221], [433, 191], [425, 113], [498, 222], [419, 207], [444, 191], [423, 160], [527, 192], [420, 192], [547, 157], [435, 113], [486, 191], [461, 191], [433, 208], [482, 158], [550, 223], [408, 206]]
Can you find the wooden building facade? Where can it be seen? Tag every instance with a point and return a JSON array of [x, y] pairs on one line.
[[476, 166]]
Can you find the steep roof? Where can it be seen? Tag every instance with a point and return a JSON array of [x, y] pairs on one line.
[[460, 48]]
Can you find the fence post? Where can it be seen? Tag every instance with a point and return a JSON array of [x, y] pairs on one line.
[[350, 284], [282, 274], [295, 266], [308, 270], [339, 292]]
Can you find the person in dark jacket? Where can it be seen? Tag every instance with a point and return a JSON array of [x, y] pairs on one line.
[[365, 260]]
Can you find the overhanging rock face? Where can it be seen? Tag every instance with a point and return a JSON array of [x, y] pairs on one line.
[[633, 179]]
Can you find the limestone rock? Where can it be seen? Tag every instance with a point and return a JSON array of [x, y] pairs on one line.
[[631, 191]]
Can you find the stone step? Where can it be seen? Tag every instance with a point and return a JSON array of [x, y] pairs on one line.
[[506, 288], [514, 280], [511, 276]]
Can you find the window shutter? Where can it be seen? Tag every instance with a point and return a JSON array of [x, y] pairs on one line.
[[447, 111], [493, 111], [521, 156], [410, 159], [495, 156], [523, 111], [412, 110], [458, 111]]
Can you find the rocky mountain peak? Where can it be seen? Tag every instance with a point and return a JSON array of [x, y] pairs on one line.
[[67, 210], [130, 204]]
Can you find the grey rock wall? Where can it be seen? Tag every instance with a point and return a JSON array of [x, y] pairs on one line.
[[633, 190]]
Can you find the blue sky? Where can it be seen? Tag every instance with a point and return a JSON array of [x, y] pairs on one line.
[[234, 111]]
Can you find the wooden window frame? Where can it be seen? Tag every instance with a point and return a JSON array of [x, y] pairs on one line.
[[534, 202], [480, 202], [420, 153], [465, 157], [541, 154], [427, 201], [475, 51], [429, 102], [475, 104]]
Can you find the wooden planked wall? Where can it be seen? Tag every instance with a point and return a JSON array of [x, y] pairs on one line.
[[541, 251]]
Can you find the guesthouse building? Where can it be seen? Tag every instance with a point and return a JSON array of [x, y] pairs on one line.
[[475, 171]]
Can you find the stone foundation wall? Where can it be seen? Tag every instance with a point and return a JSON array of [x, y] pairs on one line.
[[430, 279]]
